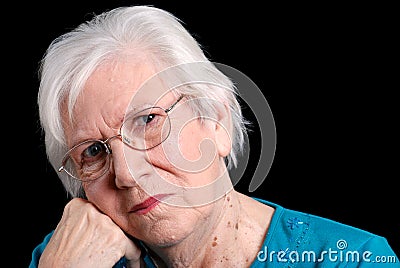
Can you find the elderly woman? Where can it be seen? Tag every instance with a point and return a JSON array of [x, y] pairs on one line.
[[142, 130]]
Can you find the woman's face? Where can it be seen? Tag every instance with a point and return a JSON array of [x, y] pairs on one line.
[[143, 188]]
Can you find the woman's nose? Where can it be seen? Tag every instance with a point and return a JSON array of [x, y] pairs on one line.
[[123, 174]]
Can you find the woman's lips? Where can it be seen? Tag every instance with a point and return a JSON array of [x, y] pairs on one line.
[[148, 204]]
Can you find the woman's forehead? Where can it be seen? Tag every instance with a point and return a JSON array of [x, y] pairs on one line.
[[115, 89]]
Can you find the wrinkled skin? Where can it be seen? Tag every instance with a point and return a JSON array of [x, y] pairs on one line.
[[85, 237], [94, 233]]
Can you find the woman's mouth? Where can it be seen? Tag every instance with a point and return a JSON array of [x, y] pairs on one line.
[[148, 204]]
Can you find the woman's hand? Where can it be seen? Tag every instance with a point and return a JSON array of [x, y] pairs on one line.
[[85, 237]]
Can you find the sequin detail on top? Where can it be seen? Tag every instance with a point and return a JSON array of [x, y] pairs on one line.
[[294, 223]]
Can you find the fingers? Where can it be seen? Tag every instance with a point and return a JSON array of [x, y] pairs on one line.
[[132, 253], [85, 237]]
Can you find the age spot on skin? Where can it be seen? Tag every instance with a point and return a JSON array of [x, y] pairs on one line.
[[214, 243]]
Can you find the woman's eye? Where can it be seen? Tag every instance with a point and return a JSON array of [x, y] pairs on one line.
[[94, 150], [145, 119]]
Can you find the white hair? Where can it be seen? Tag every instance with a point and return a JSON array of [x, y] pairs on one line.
[[72, 57]]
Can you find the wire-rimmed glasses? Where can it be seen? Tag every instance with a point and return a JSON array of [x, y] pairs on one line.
[[144, 130]]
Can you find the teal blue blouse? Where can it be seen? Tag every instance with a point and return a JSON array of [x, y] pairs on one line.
[[297, 239]]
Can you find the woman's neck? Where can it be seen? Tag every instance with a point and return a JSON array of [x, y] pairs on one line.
[[231, 236]]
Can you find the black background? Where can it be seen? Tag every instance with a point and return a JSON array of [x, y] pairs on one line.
[[324, 69]]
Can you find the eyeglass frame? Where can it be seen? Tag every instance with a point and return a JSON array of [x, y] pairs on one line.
[[108, 146]]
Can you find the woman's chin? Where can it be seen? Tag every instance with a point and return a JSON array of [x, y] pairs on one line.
[[163, 242], [166, 243], [164, 233]]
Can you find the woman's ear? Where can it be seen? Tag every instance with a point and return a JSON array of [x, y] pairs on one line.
[[223, 130]]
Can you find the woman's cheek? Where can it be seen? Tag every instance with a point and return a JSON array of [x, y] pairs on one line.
[[192, 149], [190, 139]]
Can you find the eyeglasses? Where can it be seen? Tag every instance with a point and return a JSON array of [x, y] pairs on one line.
[[144, 130]]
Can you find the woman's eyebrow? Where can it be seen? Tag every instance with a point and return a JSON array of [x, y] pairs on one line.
[[131, 110], [81, 136]]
